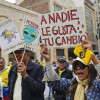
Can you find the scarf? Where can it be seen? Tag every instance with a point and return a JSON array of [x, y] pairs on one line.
[[79, 94]]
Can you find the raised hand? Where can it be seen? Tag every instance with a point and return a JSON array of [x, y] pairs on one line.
[[87, 44], [22, 69], [45, 53]]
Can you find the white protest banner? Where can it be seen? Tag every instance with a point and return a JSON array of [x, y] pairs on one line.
[[9, 37], [30, 34], [61, 28]]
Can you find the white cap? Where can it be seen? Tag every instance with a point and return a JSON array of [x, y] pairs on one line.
[[78, 59]]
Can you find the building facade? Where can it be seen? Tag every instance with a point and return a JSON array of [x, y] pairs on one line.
[[91, 23], [97, 13]]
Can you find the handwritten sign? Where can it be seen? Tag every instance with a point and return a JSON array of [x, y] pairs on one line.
[[30, 34], [9, 37], [66, 27]]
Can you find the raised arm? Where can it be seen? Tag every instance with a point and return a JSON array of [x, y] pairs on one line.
[[87, 44], [50, 73]]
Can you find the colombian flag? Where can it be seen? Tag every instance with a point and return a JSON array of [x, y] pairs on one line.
[[4, 78]]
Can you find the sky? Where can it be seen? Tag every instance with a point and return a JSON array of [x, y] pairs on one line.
[[12, 1]]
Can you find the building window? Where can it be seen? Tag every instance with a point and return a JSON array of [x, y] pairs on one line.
[[57, 7], [95, 7], [96, 18], [60, 52], [99, 7], [89, 22]]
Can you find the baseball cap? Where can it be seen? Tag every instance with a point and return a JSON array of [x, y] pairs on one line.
[[70, 58], [78, 59], [61, 59], [26, 50]]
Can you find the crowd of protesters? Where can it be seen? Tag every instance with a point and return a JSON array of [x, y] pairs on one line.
[[24, 79]]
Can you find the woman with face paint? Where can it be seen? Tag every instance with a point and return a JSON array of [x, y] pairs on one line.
[[84, 86]]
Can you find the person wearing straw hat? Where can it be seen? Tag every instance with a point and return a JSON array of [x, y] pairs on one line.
[[84, 86], [25, 78]]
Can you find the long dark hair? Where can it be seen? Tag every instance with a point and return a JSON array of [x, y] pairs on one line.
[[92, 75]]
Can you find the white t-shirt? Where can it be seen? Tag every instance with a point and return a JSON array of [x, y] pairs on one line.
[[18, 88]]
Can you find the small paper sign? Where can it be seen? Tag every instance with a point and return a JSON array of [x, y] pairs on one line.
[[9, 37], [30, 34]]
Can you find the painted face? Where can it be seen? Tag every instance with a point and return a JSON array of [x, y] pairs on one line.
[[81, 72], [30, 34]]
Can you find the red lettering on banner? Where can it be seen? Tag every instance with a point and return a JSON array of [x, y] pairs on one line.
[[55, 32], [47, 31], [32, 24], [63, 30], [74, 40], [43, 32], [52, 42], [57, 17], [58, 44], [43, 20], [72, 29], [68, 39], [63, 41], [51, 18], [62, 16], [83, 37], [68, 15], [73, 15]]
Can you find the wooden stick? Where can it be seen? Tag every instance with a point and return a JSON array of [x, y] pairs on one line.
[[15, 57], [23, 55]]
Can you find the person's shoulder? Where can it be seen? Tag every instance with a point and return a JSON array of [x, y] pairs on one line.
[[68, 70], [96, 83], [14, 66]]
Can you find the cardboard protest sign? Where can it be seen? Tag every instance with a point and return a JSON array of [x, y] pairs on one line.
[[9, 37], [61, 28], [30, 34]]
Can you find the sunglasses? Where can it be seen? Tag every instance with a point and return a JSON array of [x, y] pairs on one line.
[[79, 64]]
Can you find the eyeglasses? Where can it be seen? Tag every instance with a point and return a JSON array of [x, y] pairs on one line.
[[78, 64]]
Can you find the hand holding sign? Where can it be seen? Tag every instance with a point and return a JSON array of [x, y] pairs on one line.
[[84, 51], [22, 69]]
